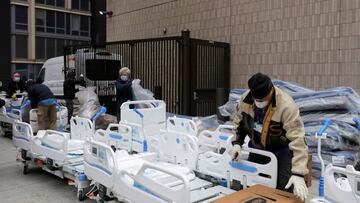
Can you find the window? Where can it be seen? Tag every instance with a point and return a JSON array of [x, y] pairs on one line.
[[68, 24], [21, 46], [40, 1], [84, 5], [60, 23], [40, 48], [75, 25], [50, 48], [75, 4], [21, 17], [40, 20], [50, 2], [80, 5], [60, 47], [50, 21], [84, 26], [60, 3]]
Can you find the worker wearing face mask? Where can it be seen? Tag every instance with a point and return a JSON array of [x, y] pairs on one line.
[[15, 85], [123, 89], [271, 119]]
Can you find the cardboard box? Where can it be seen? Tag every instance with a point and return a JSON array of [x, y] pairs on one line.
[[259, 194], [308, 177]]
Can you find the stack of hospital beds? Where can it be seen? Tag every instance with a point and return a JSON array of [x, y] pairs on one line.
[[143, 158]]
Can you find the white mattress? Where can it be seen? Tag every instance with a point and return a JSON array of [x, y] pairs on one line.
[[134, 166], [56, 141]]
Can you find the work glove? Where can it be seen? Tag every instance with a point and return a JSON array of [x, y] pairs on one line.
[[13, 96], [300, 189], [235, 151]]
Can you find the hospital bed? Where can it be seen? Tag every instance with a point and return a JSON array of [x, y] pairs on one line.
[[149, 119], [59, 153], [61, 118], [212, 150], [149, 177], [214, 157], [15, 110]]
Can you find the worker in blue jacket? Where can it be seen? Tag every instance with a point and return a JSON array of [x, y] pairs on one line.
[[44, 100], [123, 89]]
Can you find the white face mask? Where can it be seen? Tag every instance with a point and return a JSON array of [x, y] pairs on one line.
[[16, 79], [124, 78], [262, 104]]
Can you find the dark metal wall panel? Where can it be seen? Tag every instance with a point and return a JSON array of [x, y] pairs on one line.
[[183, 72], [5, 51]]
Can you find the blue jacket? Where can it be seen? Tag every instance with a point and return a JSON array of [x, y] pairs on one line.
[[38, 93], [123, 92]]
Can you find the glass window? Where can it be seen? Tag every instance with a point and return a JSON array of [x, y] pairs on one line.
[[50, 21], [60, 23], [75, 4], [40, 1], [60, 47], [21, 17], [50, 2], [60, 3], [40, 20], [84, 5], [50, 48], [22, 69], [21, 46], [68, 24], [75, 25], [40, 48], [84, 26]]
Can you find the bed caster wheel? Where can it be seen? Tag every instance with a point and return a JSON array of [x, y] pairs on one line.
[[25, 169], [80, 195]]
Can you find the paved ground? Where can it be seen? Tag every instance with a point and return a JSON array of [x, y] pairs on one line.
[[38, 186]]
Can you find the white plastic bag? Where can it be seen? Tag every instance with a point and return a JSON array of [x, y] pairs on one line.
[[86, 95], [140, 93], [89, 102]]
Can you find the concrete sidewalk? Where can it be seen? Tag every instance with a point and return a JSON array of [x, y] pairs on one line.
[[36, 187], [39, 186]]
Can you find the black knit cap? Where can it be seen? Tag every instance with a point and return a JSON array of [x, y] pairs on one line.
[[260, 85]]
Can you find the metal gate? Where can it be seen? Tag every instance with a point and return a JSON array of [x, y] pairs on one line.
[[183, 72]]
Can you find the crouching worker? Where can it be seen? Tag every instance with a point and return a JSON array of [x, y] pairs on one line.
[[43, 99], [271, 119]]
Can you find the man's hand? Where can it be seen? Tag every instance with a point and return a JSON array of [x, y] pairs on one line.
[[235, 151], [300, 189]]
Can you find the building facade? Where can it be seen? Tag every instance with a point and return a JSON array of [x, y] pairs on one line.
[[36, 30], [312, 42]]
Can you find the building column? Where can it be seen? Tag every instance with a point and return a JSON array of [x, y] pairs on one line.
[[68, 4], [31, 30]]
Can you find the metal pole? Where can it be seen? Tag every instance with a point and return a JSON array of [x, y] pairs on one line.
[[186, 72]]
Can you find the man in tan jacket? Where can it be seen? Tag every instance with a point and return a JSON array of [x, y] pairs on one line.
[[271, 119]]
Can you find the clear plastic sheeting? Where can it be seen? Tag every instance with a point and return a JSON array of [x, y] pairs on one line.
[[87, 94], [89, 102], [140, 93], [340, 104], [229, 108]]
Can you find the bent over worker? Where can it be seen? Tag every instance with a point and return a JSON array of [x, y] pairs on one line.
[[44, 100], [271, 119]]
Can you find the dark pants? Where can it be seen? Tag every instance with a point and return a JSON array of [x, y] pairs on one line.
[[284, 158], [118, 113], [70, 108]]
